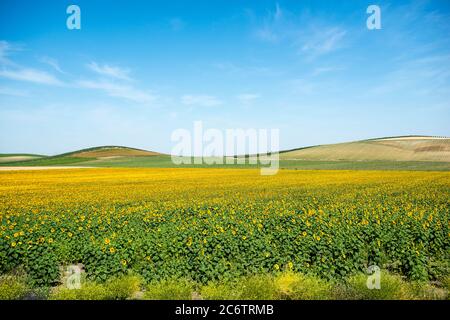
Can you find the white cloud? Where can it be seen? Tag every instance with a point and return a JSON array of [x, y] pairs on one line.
[[110, 71], [5, 50], [307, 35], [266, 34], [118, 90], [422, 76], [52, 63], [200, 100], [31, 75], [323, 41], [269, 30], [13, 71]]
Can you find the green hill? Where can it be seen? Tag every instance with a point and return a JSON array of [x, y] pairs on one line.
[[389, 153], [82, 156], [110, 151]]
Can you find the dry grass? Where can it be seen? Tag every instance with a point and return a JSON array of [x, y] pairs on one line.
[[392, 149]]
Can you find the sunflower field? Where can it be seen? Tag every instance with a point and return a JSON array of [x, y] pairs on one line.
[[218, 224]]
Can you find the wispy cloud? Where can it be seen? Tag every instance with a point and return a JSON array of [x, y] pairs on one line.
[[31, 75], [13, 71], [322, 41], [110, 71], [118, 90], [52, 63], [308, 35], [200, 100], [5, 51], [270, 28], [424, 76], [110, 82]]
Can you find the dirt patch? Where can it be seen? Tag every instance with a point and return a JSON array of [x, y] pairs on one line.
[[440, 148]]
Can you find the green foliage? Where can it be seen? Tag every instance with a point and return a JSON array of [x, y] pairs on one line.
[[255, 287], [120, 288], [12, 287], [47, 161], [7, 155], [446, 283], [426, 291], [392, 287], [164, 161], [170, 289], [219, 225], [287, 285], [220, 291], [295, 286], [123, 287], [88, 291], [41, 265]]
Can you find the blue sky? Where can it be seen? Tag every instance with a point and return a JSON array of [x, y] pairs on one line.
[[137, 70]]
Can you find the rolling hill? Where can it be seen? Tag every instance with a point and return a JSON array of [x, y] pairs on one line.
[[110, 151], [102, 153], [407, 148], [389, 153], [14, 157]]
